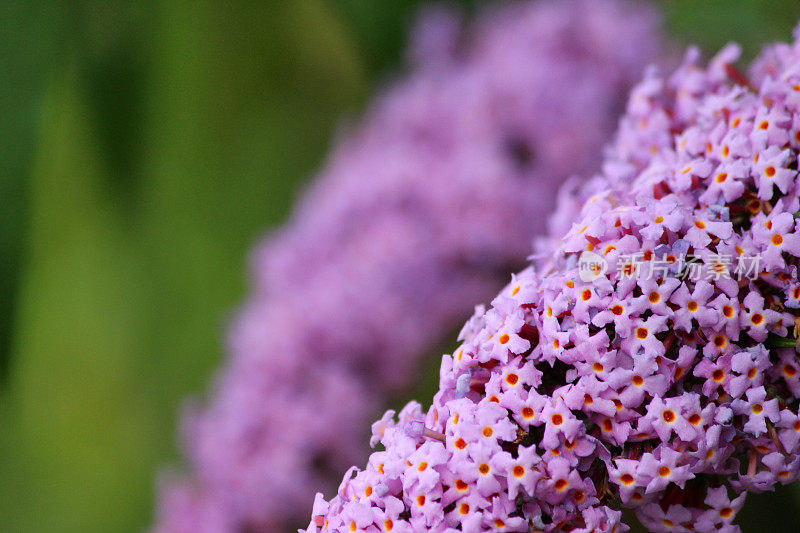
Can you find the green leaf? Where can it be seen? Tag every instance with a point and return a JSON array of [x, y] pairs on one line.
[[774, 341], [80, 429], [26, 48]]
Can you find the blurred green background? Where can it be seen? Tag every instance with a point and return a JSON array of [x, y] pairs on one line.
[[145, 146]]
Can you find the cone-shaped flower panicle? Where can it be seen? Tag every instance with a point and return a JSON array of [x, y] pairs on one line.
[[651, 362], [420, 211]]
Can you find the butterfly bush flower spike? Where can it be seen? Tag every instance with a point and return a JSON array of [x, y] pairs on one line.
[[664, 378], [420, 211]]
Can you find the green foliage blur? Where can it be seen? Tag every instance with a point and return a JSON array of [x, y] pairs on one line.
[[145, 147]]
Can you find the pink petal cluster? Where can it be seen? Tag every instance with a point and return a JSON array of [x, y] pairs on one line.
[[661, 376], [419, 212]]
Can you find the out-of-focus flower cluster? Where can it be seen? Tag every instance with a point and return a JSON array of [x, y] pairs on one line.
[[577, 395], [420, 212]]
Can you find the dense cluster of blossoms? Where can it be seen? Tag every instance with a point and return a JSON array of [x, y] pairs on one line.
[[576, 396], [420, 211]]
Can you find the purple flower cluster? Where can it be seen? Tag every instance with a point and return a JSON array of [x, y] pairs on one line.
[[582, 393], [420, 211]]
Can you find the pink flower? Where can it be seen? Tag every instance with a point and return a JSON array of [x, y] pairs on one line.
[[419, 211], [669, 411]]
